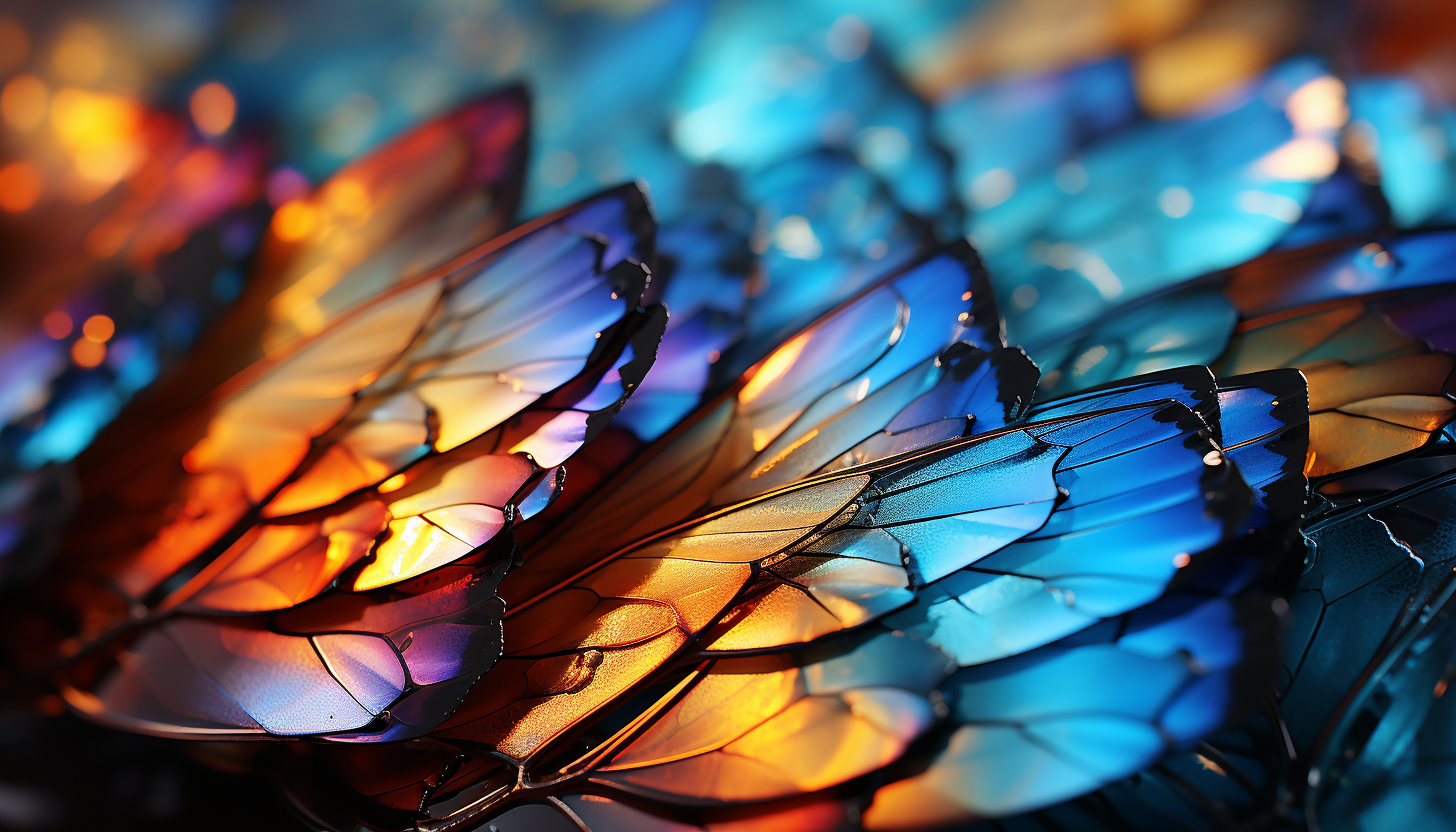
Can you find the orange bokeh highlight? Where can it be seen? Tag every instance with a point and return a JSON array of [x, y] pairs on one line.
[[23, 102], [98, 328], [20, 186], [294, 220], [88, 353], [772, 368], [213, 108], [57, 324], [198, 168], [80, 55]]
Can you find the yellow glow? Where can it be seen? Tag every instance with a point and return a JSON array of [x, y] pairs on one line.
[[80, 56], [213, 108], [784, 454], [107, 164], [761, 438], [23, 102], [1318, 105], [20, 186], [294, 220], [100, 130], [394, 483], [347, 197], [1301, 159], [772, 368], [1191, 70]]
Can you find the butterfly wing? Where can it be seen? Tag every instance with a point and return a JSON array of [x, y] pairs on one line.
[[1336, 313], [636, 673], [558, 353]]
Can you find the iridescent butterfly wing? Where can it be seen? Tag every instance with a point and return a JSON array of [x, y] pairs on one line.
[[403, 438], [1149, 207], [1367, 323], [840, 481]]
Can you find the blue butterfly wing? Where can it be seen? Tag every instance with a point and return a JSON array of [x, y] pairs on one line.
[[1154, 205]]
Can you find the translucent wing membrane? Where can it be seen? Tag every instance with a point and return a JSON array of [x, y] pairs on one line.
[[1186, 326], [703, 277], [1077, 715], [432, 193], [440, 189], [827, 229], [735, 656], [867, 582], [402, 440], [1366, 322], [1141, 210], [832, 378], [1335, 313]]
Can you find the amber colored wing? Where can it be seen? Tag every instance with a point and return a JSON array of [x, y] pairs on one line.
[[394, 213], [703, 615], [1364, 321], [399, 439], [982, 525], [786, 416], [894, 554], [1374, 392]]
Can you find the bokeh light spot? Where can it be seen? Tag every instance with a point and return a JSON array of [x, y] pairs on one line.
[[213, 108], [88, 353], [80, 55], [57, 324], [23, 102], [98, 328], [20, 186], [294, 220]]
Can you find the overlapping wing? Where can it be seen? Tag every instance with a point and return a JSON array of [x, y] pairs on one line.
[[1144, 209], [477, 383], [1352, 317], [1368, 658], [708, 664], [444, 187], [738, 444]]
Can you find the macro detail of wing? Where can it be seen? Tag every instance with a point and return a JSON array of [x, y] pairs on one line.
[[1265, 421], [1148, 495], [871, 582], [1187, 326], [1374, 393], [835, 229], [820, 556], [1352, 317], [440, 189], [809, 728], [1367, 661], [1034, 531], [422, 369], [1070, 718], [499, 369], [853, 361]]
